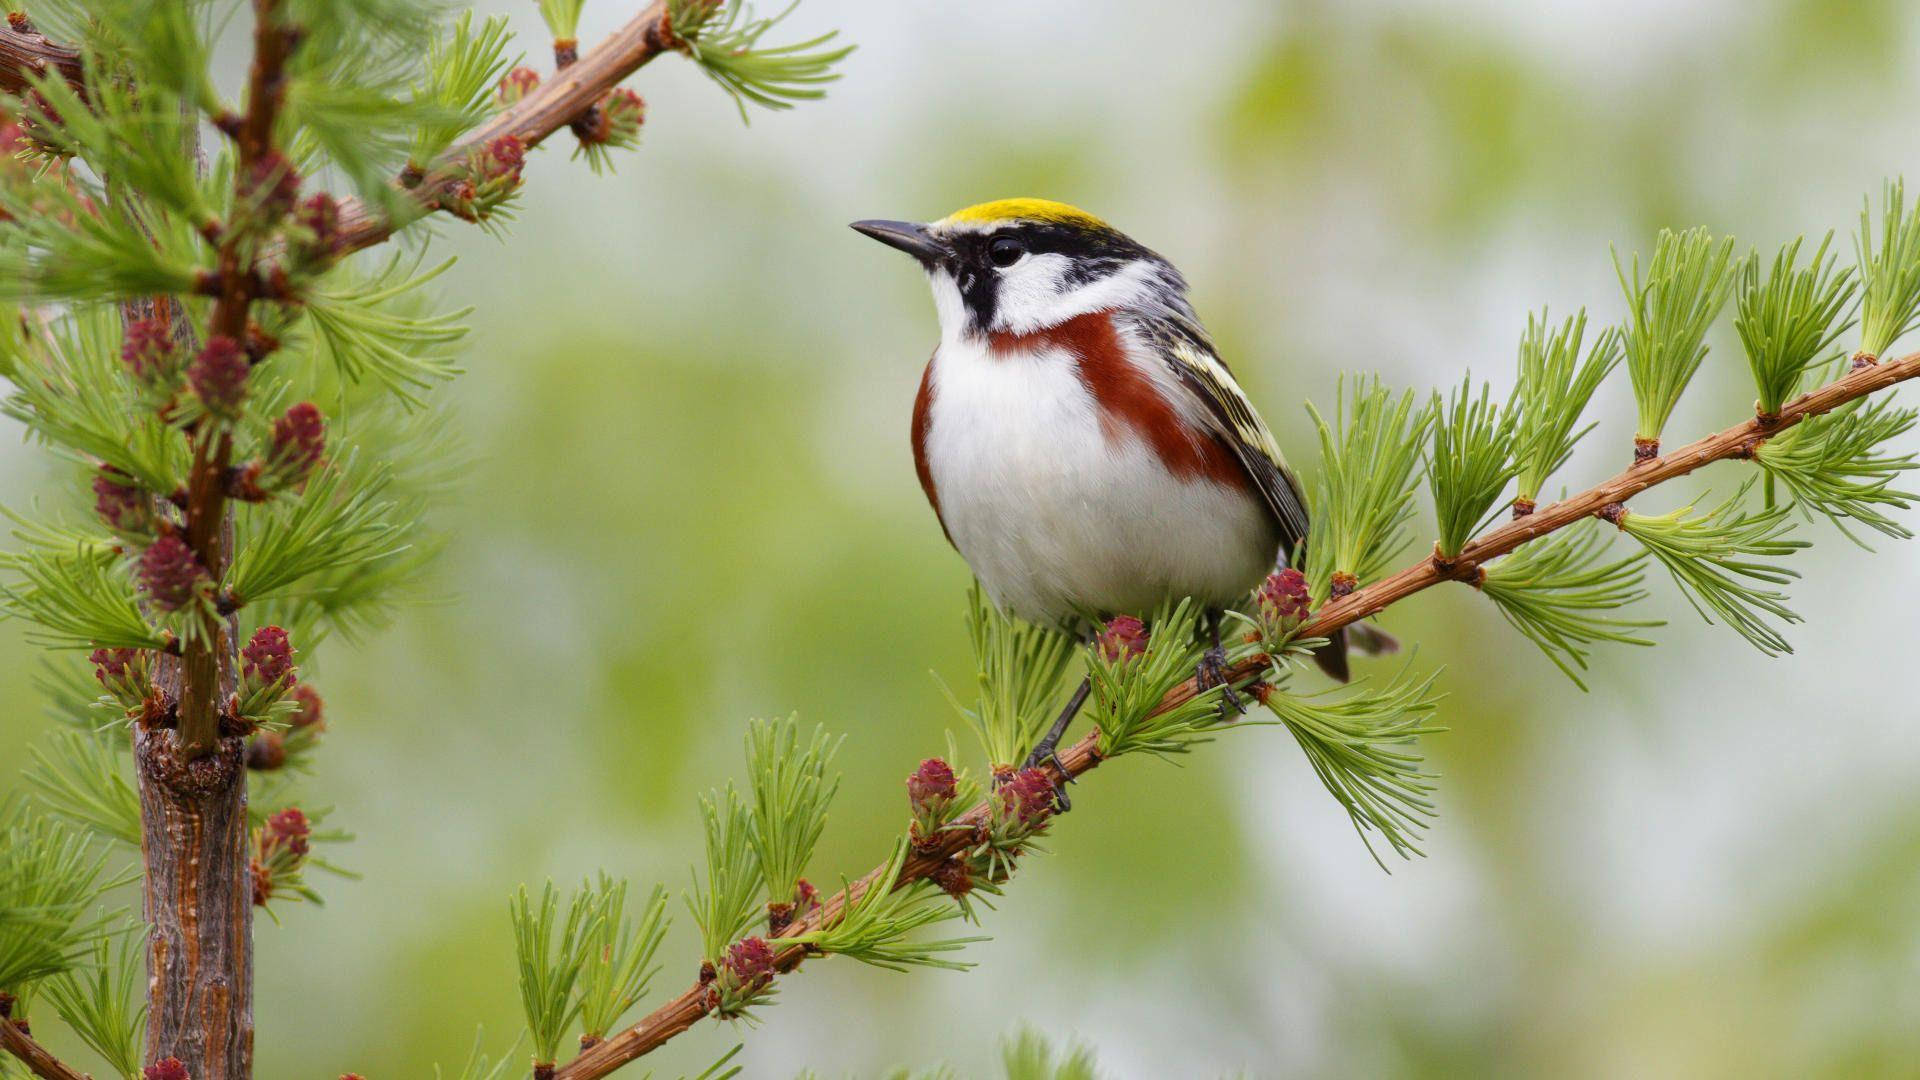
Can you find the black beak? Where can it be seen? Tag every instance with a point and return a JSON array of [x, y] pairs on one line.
[[908, 237]]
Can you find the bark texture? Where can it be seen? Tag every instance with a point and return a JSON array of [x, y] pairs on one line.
[[198, 905]]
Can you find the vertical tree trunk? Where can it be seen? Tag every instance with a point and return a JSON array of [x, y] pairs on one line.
[[198, 904], [198, 897]]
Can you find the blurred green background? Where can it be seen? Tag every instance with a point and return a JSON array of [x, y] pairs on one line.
[[694, 503]]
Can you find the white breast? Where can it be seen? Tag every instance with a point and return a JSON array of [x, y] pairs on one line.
[[1059, 519]]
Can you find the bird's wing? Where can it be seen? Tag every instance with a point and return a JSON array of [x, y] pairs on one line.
[[1202, 372]]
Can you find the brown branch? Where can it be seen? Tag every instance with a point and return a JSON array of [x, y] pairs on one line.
[[27, 54], [681, 1012], [1734, 442], [197, 892], [252, 134], [198, 897], [34, 1056], [553, 105], [198, 900]]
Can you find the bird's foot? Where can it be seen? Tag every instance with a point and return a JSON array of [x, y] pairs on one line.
[[1212, 672], [1048, 753]]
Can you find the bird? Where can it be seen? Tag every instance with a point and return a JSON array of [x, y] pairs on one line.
[[1081, 442]]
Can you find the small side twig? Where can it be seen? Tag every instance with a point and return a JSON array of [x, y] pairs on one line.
[[34, 1056], [26, 54], [553, 105]]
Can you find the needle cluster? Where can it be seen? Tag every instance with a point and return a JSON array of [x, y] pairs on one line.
[[1362, 498], [1360, 744], [723, 37], [1669, 308], [1017, 673], [1469, 460], [1789, 322], [1550, 396], [1723, 562], [1889, 271], [1128, 686]]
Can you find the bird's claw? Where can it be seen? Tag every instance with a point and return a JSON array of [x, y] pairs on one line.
[[1049, 753], [1213, 672]]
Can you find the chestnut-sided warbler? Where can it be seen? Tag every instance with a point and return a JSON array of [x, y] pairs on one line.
[[1083, 445]]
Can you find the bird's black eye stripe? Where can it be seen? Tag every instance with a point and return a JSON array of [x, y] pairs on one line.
[[1004, 247]]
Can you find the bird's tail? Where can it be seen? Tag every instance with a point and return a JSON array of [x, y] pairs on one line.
[[1364, 637]]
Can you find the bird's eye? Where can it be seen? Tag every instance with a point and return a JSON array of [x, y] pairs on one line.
[[1005, 251]]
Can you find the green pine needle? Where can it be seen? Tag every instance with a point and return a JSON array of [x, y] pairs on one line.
[[551, 962], [1017, 670], [355, 599], [341, 519], [1029, 1056], [1687, 282], [791, 793], [1832, 465], [720, 1070], [1360, 745], [159, 48], [479, 1066], [723, 36], [82, 777], [363, 131], [105, 1004], [373, 328], [137, 138], [457, 92], [690, 18], [425, 459], [1552, 392], [1126, 691], [78, 243], [73, 696], [353, 98], [1469, 461], [619, 954], [1556, 591], [1890, 273], [50, 879], [1363, 496], [874, 927], [726, 907], [562, 18], [1788, 323], [71, 391], [1715, 559], [79, 597]]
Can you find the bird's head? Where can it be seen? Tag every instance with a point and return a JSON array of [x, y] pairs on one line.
[[1018, 266]]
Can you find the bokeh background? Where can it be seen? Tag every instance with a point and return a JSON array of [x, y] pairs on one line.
[[693, 502]]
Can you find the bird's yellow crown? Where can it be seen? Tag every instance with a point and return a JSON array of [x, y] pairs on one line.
[[1008, 211]]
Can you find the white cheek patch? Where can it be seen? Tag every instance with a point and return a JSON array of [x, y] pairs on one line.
[[1030, 293], [948, 305], [1033, 294]]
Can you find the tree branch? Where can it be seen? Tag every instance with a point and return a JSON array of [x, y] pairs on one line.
[[207, 524], [26, 53], [551, 106], [1738, 441], [34, 1056], [548, 108], [198, 895]]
